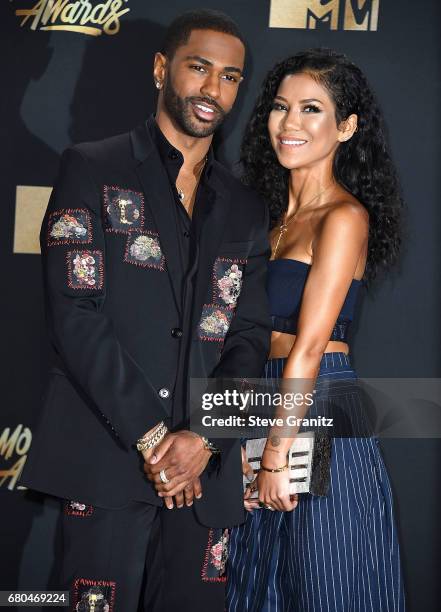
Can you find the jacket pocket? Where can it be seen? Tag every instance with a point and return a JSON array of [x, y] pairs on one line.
[[235, 248]]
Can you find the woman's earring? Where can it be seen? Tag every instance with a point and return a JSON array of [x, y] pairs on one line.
[[158, 84]]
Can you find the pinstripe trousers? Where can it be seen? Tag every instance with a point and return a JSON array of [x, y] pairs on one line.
[[338, 553]]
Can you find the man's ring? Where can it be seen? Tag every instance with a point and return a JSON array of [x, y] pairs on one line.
[[163, 477]]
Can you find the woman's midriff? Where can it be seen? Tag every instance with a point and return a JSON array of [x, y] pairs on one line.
[[281, 345]]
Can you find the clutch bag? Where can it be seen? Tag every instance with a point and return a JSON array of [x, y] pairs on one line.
[[309, 462]]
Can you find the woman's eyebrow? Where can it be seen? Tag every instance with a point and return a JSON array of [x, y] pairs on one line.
[[306, 100], [311, 100]]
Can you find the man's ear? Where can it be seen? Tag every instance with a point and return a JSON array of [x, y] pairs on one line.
[[159, 69], [347, 128]]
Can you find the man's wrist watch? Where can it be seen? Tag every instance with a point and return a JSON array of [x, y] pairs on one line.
[[210, 446]]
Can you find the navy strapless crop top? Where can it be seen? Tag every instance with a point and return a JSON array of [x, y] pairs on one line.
[[285, 283]]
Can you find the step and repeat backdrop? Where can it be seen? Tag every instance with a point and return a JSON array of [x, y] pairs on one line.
[[74, 70]]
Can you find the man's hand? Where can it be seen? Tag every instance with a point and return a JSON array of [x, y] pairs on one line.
[[190, 492], [183, 458], [187, 496], [148, 454]]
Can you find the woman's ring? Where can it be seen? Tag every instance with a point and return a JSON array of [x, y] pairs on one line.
[[163, 477], [265, 506]]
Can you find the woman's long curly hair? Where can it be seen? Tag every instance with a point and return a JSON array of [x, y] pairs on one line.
[[362, 164]]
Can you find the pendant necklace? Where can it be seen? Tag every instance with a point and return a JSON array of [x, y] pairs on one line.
[[181, 193], [284, 226]]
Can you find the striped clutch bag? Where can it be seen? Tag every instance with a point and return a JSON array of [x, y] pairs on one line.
[[309, 461]]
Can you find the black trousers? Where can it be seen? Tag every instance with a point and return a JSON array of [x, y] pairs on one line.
[[140, 559], [188, 562]]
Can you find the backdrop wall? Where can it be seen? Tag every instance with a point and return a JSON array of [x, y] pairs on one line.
[[69, 84]]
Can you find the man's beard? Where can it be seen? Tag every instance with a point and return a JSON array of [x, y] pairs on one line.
[[180, 110]]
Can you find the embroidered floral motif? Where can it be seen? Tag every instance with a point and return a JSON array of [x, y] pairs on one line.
[[93, 595], [227, 281], [123, 209], [85, 269], [230, 285], [74, 508], [143, 249], [216, 556], [68, 226], [215, 322]]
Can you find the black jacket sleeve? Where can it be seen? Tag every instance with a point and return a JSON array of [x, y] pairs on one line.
[[82, 334], [247, 342]]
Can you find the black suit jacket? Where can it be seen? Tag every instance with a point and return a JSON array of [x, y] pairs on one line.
[[110, 264]]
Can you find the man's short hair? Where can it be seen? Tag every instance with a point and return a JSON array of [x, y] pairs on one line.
[[181, 28]]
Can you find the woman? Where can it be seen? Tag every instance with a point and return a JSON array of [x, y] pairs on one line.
[[315, 149]]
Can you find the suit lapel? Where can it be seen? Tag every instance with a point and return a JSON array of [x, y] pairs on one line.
[[155, 184], [158, 195]]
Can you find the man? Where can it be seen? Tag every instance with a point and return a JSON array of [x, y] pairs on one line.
[[140, 230]]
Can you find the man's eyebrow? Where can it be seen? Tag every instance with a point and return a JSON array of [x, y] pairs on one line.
[[205, 62], [233, 69], [198, 58]]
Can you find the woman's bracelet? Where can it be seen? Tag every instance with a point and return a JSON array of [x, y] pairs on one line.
[[274, 470]]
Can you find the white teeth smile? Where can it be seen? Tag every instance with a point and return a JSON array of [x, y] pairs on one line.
[[205, 109], [292, 142]]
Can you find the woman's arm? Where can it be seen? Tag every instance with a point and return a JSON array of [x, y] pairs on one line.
[[337, 249]]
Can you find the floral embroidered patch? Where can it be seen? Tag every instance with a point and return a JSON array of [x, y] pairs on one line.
[[227, 281], [85, 269], [74, 508], [68, 226], [215, 322], [143, 249], [123, 209], [216, 556], [96, 595]]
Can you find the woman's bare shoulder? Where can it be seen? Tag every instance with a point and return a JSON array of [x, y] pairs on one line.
[[346, 211]]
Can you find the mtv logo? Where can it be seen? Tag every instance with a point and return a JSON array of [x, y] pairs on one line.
[[361, 15], [332, 14]]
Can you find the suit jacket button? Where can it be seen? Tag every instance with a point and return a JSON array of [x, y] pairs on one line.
[[177, 332], [164, 393]]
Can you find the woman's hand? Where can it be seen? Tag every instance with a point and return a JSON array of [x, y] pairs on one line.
[[274, 487], [247, 470], [274, 491], [250, 504]]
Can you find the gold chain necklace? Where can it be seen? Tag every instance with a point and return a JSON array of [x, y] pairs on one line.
[[284, 226], [181, 193]]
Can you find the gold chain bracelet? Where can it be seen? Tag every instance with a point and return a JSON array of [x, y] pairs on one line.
[[152, 439], [274, 470]]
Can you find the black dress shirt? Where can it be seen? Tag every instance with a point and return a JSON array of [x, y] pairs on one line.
[[187, 228], [187, 231]]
